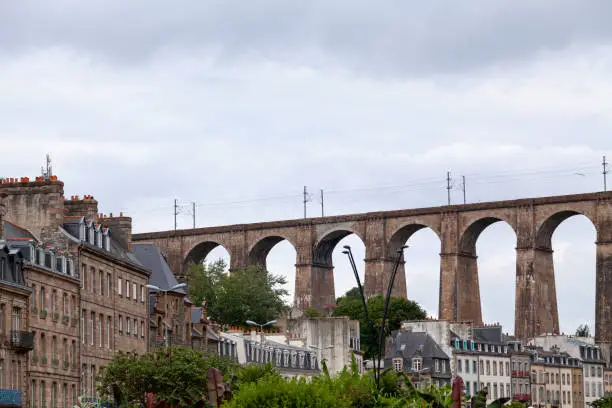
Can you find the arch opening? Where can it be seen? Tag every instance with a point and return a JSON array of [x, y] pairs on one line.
[[571, 236], [280, 260], [208, 252], [322, 255], [493, 241], [422, 264], [344, 278], [469, 238]]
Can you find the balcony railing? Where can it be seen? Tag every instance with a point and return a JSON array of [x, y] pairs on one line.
[[521, 397], [22, 340], [519, 373]]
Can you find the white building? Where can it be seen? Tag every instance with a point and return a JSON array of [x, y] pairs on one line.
[[587, 352], [333, 339]]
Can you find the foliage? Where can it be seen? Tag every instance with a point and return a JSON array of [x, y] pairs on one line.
[[260, 293], [176, 375], [346, 389], [583, 331], [311, 312], [514, 404], [399, 310], [253, 373], [603, 402]]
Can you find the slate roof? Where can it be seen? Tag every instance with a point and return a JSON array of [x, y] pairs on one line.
[[488, 334], [407, 344], [151, 257], [15, 232]]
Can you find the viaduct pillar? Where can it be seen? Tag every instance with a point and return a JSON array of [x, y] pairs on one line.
[[459, 287], [380, 261], [603, 277]]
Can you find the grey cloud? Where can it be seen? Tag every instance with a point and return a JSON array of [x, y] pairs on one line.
[[396, 38]]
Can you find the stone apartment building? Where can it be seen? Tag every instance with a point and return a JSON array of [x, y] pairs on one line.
[[16, 340], [520, 366], [552, 379], [169, 309], [587, 353], [419, 356], [608, 381], [88, 299], [577, 387]]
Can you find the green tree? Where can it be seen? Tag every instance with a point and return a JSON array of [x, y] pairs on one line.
[[176, 375], [244, 294], [400, 309], [583, 331], [603, 402]]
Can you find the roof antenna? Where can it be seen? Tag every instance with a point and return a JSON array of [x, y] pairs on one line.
[[48, 171]]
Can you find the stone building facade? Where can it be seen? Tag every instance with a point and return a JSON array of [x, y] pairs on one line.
[[88, 300], [520, 366], [16, 340], [552, 379]]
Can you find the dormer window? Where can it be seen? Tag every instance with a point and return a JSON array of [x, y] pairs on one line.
[[417, 364], [59, 264], [82, 232], [398, 364], [106, 239], [91, 233], [99, 238], [48, 260], [69, 267]]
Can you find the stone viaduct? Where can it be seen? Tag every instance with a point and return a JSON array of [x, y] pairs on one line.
[[534, 221]]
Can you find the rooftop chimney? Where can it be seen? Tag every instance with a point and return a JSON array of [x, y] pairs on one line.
[[120, 229], [85, 206]]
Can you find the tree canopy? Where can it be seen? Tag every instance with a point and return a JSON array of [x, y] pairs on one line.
[[400, 309], [244, 294], [177, 375], [583, 331]]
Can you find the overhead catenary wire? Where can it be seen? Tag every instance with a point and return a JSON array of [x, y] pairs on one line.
[[415, 185]]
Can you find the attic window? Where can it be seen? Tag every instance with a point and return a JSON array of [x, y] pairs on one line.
[[48, 260], [69, 267], [59, 264], [107, 242], [90, 233], [397, 364], [99, 239], [82, 232], [417, 364]]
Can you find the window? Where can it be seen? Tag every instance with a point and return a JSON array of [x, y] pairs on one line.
[[43, 394], [474, 370], [458, 366], [108, 284], [33, 298], [92, 283], [467, 388], [501, 368], [42, 298], [100, 330], [73, 353], [119, 287], [93, 379], [417, 364], [134, 292], [65, 304], [495, 368], [488, 367], [65, 395], [127, 326], [142, 330], [135, 328], [127, 289], [120, 324], [142, 293], [53, 348], [467, 366], [92, 329], [33, 395], [481, 368], [65, 349], [16, 324], [100, 283], [397, 364], [108, 326]]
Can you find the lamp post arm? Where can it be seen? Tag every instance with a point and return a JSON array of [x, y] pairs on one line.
[[385, 310], [363, 299]]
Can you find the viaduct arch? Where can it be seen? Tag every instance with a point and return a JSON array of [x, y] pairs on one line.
[[533, 219]]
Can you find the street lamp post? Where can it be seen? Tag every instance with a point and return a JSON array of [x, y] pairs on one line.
[[400, 254], [261, 326], [165, 292]]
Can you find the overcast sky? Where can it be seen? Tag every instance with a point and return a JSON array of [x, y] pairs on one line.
[[223, 102]]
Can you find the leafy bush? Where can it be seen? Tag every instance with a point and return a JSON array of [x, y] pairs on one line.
[[176, 375]]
